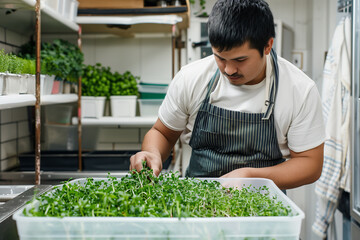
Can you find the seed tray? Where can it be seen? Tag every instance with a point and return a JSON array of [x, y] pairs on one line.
[[106, 228]]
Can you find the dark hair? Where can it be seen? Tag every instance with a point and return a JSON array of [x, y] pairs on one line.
[[233, 22]]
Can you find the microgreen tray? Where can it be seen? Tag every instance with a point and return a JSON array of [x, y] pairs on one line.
[[106, 228]]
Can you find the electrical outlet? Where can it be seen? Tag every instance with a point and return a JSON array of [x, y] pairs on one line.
[[299, 59]]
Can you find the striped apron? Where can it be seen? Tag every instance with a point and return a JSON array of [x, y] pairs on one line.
[[224, 140]]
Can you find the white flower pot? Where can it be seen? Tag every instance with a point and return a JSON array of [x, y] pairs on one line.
[[92, 107], [23, 83], [11, 84], [123, 106], [46, 84], [2, 76]]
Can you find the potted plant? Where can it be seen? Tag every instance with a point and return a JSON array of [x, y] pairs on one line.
[[124, 93], [4, 66], [60, 60], [12, 78], [95, 90]]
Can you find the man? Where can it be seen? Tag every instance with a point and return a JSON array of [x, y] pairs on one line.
[[243, 110]]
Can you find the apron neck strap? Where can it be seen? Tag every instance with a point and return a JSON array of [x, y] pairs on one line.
[[273, 88], [212, 84]]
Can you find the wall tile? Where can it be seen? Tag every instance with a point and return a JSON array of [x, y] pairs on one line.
[[8, 149], [6, 116], [112, 135], [9, 163], [125, 147], [14, 38], [2, 34], [25, 145], [23, 129], [19, 114], [8, 132], [104, 146]]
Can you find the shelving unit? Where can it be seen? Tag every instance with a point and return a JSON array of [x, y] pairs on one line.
[[23, 100], [118, 121], [22, 20], [25, 17], [128, 22]]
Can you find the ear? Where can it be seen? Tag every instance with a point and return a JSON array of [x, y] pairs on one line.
[[268, 46]]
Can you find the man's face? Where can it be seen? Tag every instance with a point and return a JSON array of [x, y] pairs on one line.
[[242, 65]]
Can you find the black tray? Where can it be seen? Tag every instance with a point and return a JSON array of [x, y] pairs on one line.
[[111, 160], [50, 161], [92, 161]]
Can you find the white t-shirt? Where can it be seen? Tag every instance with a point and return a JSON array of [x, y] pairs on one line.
[[297, 112]]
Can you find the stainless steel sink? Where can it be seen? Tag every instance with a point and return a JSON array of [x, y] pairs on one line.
[[8, 192]]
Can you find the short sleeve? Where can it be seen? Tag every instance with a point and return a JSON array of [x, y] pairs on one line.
[[307, 130], [173, 111]]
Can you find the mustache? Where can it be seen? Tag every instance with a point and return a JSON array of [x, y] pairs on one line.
[[234, 75]]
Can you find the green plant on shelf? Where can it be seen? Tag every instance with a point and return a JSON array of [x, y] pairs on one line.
[[28, 66], [100, 81], [15, 64], [60, 58], [96, 81], [4, 61], [124, 84]]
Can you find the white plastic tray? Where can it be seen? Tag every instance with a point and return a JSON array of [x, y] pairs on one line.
[[279, 228]]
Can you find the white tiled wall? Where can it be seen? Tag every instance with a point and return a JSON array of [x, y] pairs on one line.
[[14, 136], [11, 41], [113, 138]]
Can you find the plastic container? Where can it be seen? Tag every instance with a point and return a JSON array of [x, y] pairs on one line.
[[73, 10], [61, 137], [52, 4], [66, 12], [46, 84], [57, 87], [2, 77], [152, 91], [123, 106], [11, 84], [92, 107], [58, 114], [23, 83], [50, 161], [149, 107], [168, 228]]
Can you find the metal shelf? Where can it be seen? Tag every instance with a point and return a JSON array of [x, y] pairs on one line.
[[117, 121], [23, 100], [19, 16]]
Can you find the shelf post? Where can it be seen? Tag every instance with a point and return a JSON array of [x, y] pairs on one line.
[[79, 110], [37, 103]]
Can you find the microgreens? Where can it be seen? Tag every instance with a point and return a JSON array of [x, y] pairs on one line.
[[141, 194]]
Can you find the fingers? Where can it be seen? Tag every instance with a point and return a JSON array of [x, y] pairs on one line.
[[136, 161], [152, 161]]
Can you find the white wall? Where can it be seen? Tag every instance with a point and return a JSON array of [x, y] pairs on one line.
[[147, 57]]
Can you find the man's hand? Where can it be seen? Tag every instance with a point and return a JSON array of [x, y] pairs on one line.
[[238, 173], [153, 161]]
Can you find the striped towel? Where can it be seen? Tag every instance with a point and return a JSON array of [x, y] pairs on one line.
[[336, 104]]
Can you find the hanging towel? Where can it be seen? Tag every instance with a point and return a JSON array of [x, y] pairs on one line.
[[336, 111]]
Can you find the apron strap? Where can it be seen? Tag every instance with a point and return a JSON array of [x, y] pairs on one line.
[[212, 84], [273, 89]]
